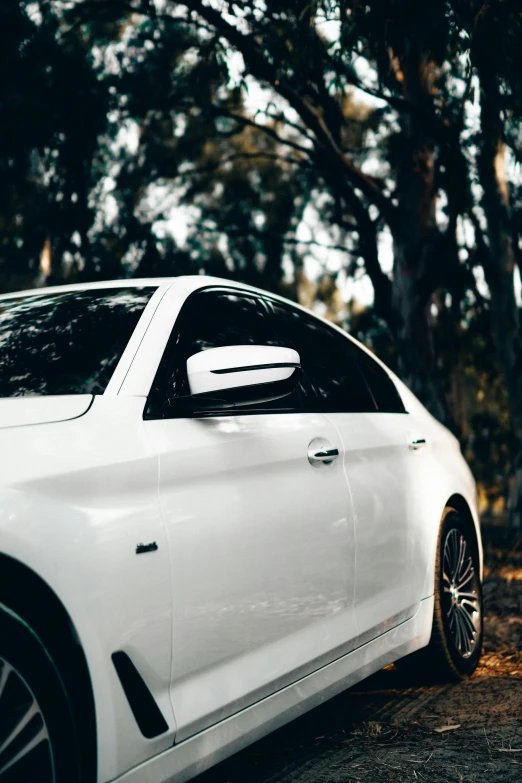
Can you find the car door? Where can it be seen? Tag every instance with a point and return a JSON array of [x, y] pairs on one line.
[[261, 542], [361, 401], [386, 468]]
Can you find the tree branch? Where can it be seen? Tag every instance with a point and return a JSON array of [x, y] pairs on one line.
[[312, 117], [221, 111], [238, 156], [237, 231]]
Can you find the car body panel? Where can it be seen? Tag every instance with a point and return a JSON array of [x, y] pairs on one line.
[[262, 555], [206, 749], [77, 495], [74, 514], [24, 411], [389, 521]]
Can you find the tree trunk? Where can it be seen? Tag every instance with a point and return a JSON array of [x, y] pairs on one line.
[[417, 241], [499, 271]]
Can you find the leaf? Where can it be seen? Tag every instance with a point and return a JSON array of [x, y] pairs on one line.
[[450, 727], [509, 750]]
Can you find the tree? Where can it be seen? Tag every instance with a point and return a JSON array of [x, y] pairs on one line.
[[51, 114], [248, 118], [309, 76]]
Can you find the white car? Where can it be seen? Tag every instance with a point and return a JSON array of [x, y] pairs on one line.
[[216, 511]]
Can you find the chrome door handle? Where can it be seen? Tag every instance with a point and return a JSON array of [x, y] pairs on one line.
[[418, 443], [320, 453]]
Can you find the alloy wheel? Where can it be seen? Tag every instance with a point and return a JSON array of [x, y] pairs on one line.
[[25, 748], [461, 599]]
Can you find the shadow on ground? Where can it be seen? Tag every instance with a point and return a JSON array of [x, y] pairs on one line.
[[391, 729]]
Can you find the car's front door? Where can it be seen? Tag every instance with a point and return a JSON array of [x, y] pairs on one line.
[[261, 542]]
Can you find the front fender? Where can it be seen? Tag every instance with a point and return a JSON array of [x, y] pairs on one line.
[[75, 517]]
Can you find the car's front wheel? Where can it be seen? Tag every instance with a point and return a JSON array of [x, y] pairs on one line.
[[37, 739], [455, 646]]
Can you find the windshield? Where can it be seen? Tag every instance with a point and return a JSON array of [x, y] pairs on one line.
[[66, 343]]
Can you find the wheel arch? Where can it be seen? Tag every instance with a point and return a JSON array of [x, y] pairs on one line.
[[460, 504], [29, 596]]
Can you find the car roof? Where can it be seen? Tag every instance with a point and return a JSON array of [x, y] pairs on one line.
[[100, 284], [188, 282]]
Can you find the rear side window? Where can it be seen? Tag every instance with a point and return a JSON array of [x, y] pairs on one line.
[[66, 343], [382, 387], [327, 361]]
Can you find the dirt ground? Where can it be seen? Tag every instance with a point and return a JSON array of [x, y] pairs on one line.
[[391, 729]]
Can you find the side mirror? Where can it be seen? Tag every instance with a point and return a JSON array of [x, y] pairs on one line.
[[242, 374]]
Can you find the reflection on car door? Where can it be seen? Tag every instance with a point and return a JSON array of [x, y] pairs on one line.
[[385, 481], [261, 542], [378, 466]]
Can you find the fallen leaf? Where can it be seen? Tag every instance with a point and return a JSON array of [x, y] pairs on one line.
[[451, 727], [510, 750]]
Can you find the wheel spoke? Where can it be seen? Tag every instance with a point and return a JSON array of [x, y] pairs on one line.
[[6, 671], [22, 723], [465, 574], [467, 620], [458, 632], [42, 736], [472, 603], [466, 641], [451, 553], [25, 747], [461, 556]]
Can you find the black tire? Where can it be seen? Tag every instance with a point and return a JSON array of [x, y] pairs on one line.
[[451, 656], [31, 690]]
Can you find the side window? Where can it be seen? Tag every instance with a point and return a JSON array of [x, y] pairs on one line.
[[382, 387], [209, 319], [68, 342], [327, 361]]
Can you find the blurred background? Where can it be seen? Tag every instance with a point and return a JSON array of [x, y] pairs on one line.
[[362, 158]]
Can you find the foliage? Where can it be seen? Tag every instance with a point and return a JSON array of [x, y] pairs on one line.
[[140, 137]]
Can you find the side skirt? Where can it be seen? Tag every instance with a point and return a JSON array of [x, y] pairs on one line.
[[195, 755]]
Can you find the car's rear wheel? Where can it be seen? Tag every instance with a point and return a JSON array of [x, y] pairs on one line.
[[37, 738], [455, 646]]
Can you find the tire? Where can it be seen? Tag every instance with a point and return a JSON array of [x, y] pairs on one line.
[[37, 736], [455, 645]]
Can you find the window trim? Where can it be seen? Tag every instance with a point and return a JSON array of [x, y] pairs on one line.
[[371, 358], [186, 411], [266, 300], [340, 333], [355, 346]]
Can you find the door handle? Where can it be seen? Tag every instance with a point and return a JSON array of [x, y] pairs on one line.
[[321, 452], [417, 443]]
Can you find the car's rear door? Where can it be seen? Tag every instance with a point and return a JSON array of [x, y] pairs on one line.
[[361, 401], [261, 541], [385, 461]]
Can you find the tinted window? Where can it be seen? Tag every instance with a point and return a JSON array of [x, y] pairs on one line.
[[384, 391], [210, 319], [327, 361], [66, 343]]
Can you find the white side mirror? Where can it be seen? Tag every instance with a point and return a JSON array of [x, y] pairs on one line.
[[237, 367]]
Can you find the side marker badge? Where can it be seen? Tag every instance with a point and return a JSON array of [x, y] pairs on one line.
[[142, 548]]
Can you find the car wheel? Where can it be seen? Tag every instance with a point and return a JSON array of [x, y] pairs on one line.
[[455, 646], [37, 738]]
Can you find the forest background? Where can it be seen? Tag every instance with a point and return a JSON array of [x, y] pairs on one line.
[[362, 158]]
